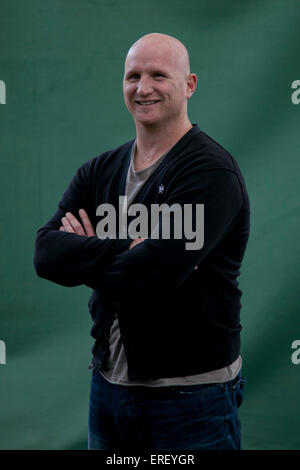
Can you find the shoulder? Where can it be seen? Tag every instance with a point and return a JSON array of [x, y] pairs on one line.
[[205, 165], [203, 157], [209, 154]]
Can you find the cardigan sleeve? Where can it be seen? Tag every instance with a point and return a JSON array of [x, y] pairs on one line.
[[67, 258], [168, 262]]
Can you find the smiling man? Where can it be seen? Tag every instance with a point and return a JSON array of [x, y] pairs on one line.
[[166, 320], [156, 89]]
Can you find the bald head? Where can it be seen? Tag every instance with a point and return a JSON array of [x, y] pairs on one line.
[[162, 44], [157, 82]]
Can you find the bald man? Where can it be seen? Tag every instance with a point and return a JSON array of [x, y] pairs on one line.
[[166, 362]]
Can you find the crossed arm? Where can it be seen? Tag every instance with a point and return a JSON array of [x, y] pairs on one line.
[[69, 253], [71, 225]]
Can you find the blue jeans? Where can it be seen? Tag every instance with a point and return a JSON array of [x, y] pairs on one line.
[[192, 417]]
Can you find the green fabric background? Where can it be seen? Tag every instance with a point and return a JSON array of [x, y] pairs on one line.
[[62, 62]]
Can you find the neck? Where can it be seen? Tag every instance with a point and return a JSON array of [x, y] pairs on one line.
[[154, 140]]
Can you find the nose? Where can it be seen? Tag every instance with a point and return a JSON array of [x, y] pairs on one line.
[[144, 86]]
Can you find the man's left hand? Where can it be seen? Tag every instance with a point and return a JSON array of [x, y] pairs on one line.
[[72, 225]]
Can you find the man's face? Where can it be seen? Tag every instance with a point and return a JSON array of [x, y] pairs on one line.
[[155, 83]]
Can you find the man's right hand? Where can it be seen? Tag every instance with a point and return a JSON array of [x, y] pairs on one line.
[[136, 241]]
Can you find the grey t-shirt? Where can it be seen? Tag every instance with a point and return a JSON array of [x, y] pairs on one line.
[[116, 370]]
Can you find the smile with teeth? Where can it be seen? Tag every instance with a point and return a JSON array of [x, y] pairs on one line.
[[147, 103]]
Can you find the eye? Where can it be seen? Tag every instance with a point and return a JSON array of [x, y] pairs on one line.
[[158, 75], [133, 76]]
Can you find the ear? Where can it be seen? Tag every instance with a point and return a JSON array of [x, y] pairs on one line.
[[191, 84]]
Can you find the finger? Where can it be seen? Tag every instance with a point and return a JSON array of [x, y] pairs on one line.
[[61, 229], [132, 244], [67, 226], [89, 230], [136, 241], [75, 224], [196, 267]]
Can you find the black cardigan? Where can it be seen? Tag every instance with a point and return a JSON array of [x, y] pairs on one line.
[[174, 320]]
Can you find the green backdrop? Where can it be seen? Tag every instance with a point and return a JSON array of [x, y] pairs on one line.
[[62, 64]]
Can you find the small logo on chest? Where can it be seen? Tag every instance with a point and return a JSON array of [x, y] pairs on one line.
[[161, 189]]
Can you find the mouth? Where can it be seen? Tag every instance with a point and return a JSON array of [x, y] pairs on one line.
[[147, 103]]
